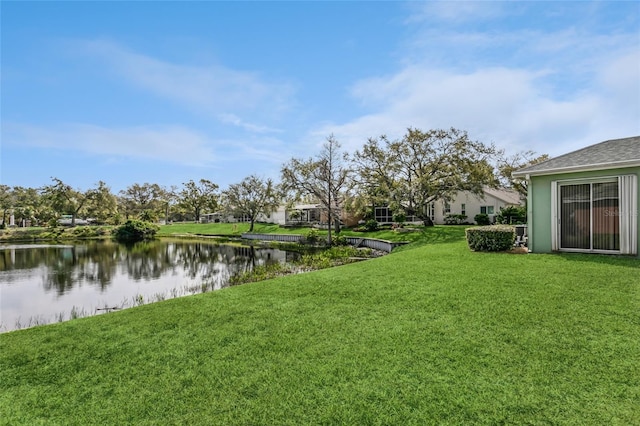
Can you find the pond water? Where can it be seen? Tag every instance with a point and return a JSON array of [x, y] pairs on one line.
[[45, 283]]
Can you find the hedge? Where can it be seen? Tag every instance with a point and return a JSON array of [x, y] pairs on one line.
[[491, 238]]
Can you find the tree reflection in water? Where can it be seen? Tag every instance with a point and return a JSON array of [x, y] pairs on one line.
[[28, 273]]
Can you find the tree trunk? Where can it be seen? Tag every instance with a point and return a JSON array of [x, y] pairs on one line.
[[251, 227], [329, 240]]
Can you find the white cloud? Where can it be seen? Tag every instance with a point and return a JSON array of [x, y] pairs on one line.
[[455, 11], [621, 80], [550, 89], [510, 107], [215, 90], [171, 144]]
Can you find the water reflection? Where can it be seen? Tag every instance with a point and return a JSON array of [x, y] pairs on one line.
[[37, 281]]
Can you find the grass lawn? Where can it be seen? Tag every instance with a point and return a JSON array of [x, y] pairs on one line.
[[230, 229], [432, 334], [420, 234]]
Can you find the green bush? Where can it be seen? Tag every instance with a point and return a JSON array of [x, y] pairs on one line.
[[312, 237], [482, 219], [399, 217], [371, 225], [135, 230], [491, 238], [512, 215], [339, 240]]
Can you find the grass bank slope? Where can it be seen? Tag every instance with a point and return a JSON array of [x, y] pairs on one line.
[[430, 335]]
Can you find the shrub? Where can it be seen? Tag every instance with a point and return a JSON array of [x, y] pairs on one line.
[[371, 225], [491, 238], [512, 215], [482, 219], [82, 232], [135, 230], [399, 217], [455, 219], [312, 237], [339, 240]]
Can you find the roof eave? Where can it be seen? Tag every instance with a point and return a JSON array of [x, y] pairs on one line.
[[582, 168], [506, 200]]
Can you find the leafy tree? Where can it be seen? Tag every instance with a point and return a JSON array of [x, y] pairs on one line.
[[423, 167], [507, 165], [326, 178], [512, 215], [252, 197], [196, 196], [144, 200], [374, 181], [6, 202], [168, 196], [64, 199], [30, 204], [102, 205]]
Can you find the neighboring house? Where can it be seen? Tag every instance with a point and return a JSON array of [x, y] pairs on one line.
[[307, 214], [299, 214], [464, 203], [586, 200], [223, 217]]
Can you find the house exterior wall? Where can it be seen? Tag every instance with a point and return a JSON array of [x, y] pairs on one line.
[[278, 217], [472, 204], [539, 204]]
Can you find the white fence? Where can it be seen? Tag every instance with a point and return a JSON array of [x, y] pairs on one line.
[[283, 238], [374, 243]]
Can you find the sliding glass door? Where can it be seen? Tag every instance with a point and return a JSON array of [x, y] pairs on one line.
[[589, 218], [606, 216]]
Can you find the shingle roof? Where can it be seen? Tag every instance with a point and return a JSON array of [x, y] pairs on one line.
[[507, 195], [614, 153]]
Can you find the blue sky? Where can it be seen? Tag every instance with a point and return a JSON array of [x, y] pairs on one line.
[[164, 92]]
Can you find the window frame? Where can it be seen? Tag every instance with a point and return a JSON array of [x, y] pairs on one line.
[[627, 200]]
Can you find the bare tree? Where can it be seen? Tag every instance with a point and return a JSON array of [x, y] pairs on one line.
[[508, 165], [326, 178]]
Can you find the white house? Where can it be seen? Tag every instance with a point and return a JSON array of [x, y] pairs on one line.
[[469, 204], [298, 214], [464, 203]]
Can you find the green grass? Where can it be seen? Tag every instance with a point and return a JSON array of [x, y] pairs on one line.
[[421, 235], [432, 334], [36, 233], [225, 229]]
